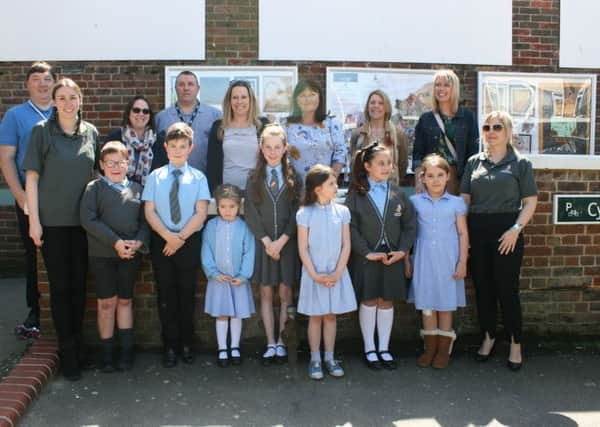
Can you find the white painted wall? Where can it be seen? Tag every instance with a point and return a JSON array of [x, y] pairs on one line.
[[579, 34], [78, 30], [424, 31]]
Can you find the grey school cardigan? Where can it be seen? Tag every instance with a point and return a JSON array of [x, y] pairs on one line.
[[108, 215]]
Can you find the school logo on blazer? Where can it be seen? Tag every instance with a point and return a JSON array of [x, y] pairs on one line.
[[398, 211]]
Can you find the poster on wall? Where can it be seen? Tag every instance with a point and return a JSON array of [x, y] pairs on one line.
[[410, 93], [273, 86], [552, 113]]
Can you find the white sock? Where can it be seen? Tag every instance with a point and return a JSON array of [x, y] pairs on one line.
[[366, 317], [315, 357], [385, 319], [235, 323], [222, 326], [270, 351]]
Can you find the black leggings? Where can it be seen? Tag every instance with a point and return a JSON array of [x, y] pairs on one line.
[[495, 276], [65, 255]]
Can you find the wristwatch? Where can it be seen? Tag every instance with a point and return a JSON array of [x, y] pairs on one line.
[[517, 227]]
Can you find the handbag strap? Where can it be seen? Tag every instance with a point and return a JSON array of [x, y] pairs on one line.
[[440, 123]]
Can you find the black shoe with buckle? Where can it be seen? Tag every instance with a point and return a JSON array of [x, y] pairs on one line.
[[169, 358], [235, 360], [187, 355], [223, 363], [372, 364], [390, 365]]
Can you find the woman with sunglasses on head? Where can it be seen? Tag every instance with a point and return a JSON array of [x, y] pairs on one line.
[[379, 128], [449, 130], [499, 187], [138, 134], [233, 140], [60, 161], [313, 137]]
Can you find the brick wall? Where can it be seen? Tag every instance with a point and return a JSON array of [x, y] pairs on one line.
[[560, 277]]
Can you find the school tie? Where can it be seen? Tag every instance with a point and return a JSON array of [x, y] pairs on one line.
[[274, 182], [174, 198]]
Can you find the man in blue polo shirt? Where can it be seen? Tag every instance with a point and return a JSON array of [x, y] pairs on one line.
[[15, 130], [190, 111]]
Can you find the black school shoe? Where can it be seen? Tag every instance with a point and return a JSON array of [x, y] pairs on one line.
[[187, 355], [169, 358], [223, 363], [235, 360], [390, 365], [375, 365]]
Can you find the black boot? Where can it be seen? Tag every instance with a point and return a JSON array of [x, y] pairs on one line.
[[68, 360], [107, 356], [126, 357]]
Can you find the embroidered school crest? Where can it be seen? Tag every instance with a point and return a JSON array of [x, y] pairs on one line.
[[398, 211]]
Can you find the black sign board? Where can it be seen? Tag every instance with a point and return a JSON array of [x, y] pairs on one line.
[[576, 209]]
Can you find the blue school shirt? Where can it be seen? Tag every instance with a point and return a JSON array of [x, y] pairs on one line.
[[15, 130], [279, 173], [378, 193], [193, 187]]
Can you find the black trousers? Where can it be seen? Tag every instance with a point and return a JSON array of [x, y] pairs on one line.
[[65, 255], [32, 294], [176, 280], [495, 276]]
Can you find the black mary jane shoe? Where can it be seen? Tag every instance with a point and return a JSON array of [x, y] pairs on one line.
[[223, 363], [514, 366], [390, 365], [169, 358], [187, 355], [235, 360], [484, 357], [373, 364]]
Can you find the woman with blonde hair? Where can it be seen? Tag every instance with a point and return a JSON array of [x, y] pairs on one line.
[[379, 128], [499, 188], [450, 130], [233, 140]]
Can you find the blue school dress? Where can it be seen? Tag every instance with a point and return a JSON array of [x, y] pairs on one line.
[[228, 248], [436, 253], [325, 225]]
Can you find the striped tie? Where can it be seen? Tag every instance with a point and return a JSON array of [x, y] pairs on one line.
[[174, 198], [274, 182]]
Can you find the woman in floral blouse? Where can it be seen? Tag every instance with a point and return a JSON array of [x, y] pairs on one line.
[[312, 135]]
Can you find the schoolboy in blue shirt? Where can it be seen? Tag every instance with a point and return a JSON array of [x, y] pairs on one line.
[[176, 202]]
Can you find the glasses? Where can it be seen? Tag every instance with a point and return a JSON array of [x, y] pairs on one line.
[[137, 110], [308, 96], [496, 128], [111, 163]]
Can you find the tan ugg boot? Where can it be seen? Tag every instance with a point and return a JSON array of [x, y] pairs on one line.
[[444, 348], [430, 338]]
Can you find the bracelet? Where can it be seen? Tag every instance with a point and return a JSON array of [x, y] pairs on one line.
[[517, 227]]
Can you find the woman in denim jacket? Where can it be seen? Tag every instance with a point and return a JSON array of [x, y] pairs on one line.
[[459, 129]]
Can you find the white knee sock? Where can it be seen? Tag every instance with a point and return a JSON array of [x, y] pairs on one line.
[[366, 317], [222, 326], [385, 319], [235, 323]]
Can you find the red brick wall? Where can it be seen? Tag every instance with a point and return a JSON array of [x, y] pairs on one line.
[[561, 277]]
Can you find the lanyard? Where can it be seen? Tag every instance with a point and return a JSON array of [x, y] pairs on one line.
[[37, 110], [194, 113]]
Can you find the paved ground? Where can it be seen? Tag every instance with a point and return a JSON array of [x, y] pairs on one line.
[[13, 310], [557, 387]]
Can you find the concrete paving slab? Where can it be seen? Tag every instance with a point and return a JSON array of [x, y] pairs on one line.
[[553, 389]]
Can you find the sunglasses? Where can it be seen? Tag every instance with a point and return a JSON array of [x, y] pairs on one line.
[[137, 110], [496, 127]]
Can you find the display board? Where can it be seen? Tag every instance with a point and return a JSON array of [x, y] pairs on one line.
[[85, 30], [425, 31], [554, 114], [410, 93], [273, 86]]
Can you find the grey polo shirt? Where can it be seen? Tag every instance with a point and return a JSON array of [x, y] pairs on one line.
[[65, 164], [201, 126], [498, 188]]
